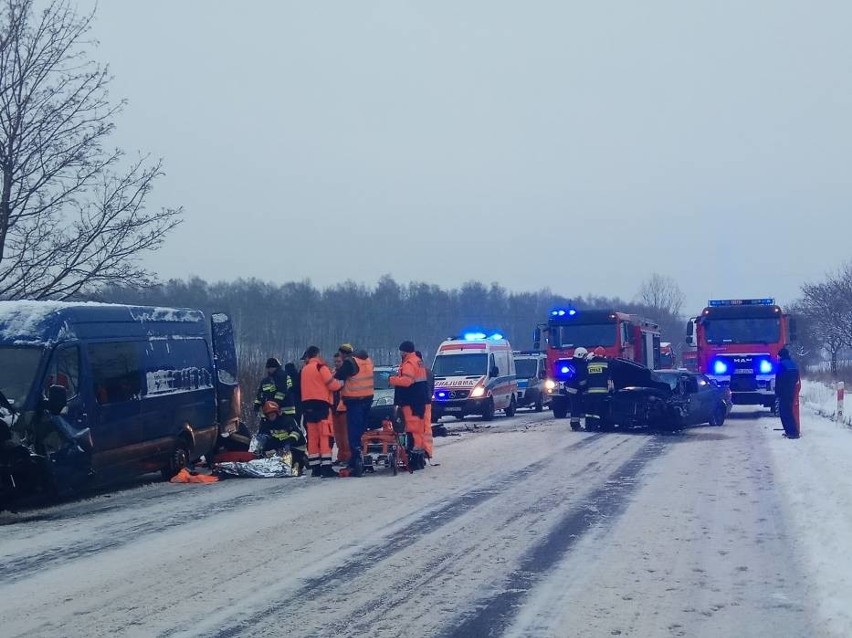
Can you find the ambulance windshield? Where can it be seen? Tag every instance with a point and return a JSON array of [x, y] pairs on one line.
[[460, 365]]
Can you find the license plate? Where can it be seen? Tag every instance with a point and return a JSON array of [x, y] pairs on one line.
[[452, 409]]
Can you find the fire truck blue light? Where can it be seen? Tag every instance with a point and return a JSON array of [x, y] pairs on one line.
[[720, 367], [765, 366]]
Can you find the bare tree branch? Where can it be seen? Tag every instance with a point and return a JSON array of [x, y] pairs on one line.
[[70, 216]]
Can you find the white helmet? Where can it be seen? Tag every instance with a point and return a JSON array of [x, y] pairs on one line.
[[580, 353]]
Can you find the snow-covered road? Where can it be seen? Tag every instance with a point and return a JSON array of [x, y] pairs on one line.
[[525, 529]]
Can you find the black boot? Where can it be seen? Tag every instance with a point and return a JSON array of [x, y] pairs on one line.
[[328, 472], [315, 470]]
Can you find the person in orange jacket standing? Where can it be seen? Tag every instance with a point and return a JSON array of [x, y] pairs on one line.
[[425, 374], [340, 418], [318, 385], [410, 393]]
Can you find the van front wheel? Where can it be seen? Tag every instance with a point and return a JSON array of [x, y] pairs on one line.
[[178, 460]]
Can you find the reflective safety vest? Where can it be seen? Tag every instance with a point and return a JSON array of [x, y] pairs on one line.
[[598, 379], [360, 385]]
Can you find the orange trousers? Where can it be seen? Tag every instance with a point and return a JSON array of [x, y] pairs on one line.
[[319, 445], [427, 430], [414, 426], [341, 436]]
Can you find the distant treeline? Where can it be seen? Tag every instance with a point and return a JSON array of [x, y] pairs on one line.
[[283, 319]]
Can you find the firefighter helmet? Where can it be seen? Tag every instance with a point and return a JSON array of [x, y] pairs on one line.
[[600, 352], [269, 407], [580, 353]]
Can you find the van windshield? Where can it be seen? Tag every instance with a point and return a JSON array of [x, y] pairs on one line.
[[526, 368], [460, 365], [18, 366]]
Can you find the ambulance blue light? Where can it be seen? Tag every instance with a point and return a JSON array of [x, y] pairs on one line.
[[572, 312], [474, 336], [496, 336], [720, 367], [765, 366]]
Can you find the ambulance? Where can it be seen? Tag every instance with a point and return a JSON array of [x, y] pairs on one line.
[[474, 374]]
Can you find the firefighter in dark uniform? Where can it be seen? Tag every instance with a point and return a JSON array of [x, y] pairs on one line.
[[598, 386], [276, 386], [576, 386], [283, 434], [787, 385]]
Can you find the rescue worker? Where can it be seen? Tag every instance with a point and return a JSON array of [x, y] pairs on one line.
[[428, 441], [339, 420], [318, 386], [276, 385], [356, 372], [283, 435], [293, 373], [410, 393], [598, 386], [575, 385], [787, 386]]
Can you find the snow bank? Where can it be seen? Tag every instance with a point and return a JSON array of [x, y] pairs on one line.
[[813, 475], [822, 399]]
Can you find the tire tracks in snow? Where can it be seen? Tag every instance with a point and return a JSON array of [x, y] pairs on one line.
[[495, 614], [407, 582], [387, 546]]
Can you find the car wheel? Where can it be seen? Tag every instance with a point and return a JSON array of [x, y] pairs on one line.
[[178, 460], [488, 413], [718, 417], [510, 411], [539, 405]]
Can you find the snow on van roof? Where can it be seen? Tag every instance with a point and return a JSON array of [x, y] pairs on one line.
[[34, 322]]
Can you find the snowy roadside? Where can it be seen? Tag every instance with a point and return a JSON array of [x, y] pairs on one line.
[[822, 399], [814, 479]]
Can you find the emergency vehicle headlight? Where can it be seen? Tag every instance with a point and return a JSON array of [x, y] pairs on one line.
[[550, 384], [478, 391], [720, 367], [765, 366]]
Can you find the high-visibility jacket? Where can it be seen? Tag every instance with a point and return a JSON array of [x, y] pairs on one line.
[[410, 382], [360, 385], [598, 376], [318, 384], [278, 387]]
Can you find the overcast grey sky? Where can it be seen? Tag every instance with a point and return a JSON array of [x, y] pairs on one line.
[[575, 145]]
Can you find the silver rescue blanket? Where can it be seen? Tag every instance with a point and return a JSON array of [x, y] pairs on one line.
[[272, 467]]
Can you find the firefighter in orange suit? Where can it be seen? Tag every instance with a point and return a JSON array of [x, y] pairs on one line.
[[339, 418], [318, 388], [429, 378], [410, 393]]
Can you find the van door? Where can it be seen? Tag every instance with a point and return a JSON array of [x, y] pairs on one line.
[[64, 370], [115, 389], [225, 366]]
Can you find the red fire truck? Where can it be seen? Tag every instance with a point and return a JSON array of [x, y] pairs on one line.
[[737, 342], [620, 335]]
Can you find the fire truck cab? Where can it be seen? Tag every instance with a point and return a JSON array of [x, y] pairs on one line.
[[737, 342], [621, 335]]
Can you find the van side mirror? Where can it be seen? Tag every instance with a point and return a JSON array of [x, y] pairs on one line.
[[542, 374], [494, 372], [57, 399], [792, 321], [537, 339]]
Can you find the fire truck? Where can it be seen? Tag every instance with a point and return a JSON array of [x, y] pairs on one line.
[[689, 359], [737, 342], [620, 335]]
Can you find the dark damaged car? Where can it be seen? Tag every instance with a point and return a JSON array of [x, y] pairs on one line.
[[89, 392], [664, 400]]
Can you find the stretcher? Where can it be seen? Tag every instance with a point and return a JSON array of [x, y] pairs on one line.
[[385, 448]]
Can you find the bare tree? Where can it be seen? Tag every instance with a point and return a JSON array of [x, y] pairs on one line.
[[70, 216], [827, 307], [662, 294]]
